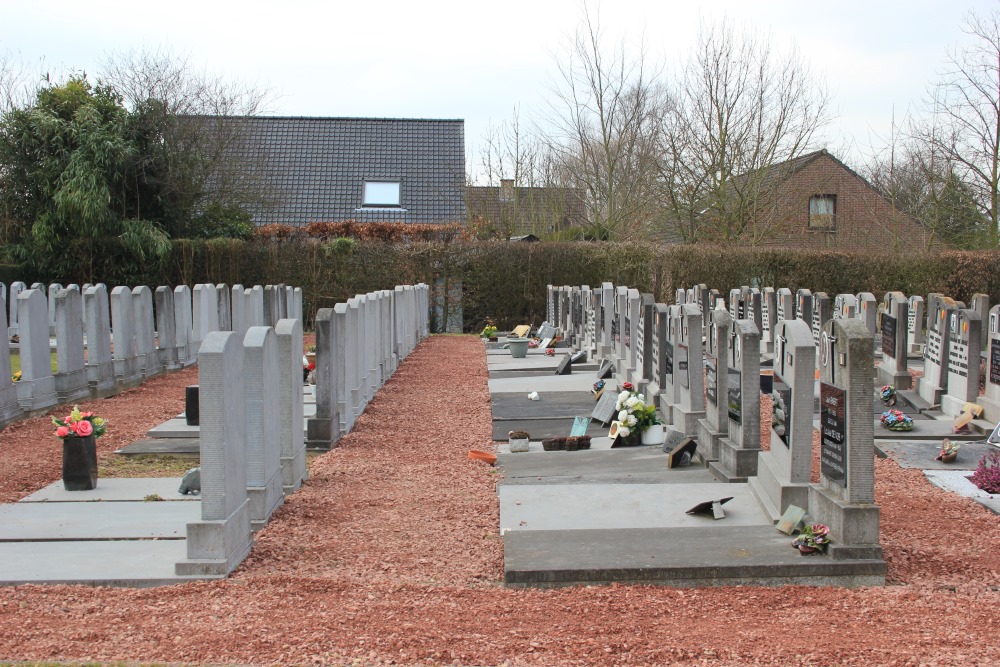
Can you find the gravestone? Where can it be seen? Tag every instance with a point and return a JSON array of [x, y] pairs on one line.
[[715, 425], [915, 326], [981, 304], [71, 378], [354, 353], [784, 471], [297, 303], [630, 326], [868, 314], [100, 366], [606, 313], [671, 389], [261, 387], [690, 406], [16, 288], [589, 321], [768, 319], [932, 385], [223, 304], [148, 359], [821, 314], [737, 307], [785, 308], [845, 306], [931, 311], [10, 409], [643, 374], [844, 498], [51, 303], [658, 339], [222, 538], [604, 411], [991, 399], [550, 303], [166, 328], [37, 388], [804, 305], [618, 329], [739, 448], [680, 296], [253, 314], [963, 361], [187, 349], [892, 341], [272, 307], [126, 360], [372, 333], [755, 307]]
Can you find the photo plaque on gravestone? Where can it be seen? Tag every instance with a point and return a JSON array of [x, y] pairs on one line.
[[682, 365], [833, 423], [604, 411], [781, 409], [734, 399], [888, 335]]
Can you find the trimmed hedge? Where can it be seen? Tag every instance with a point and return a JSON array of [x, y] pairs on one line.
[[506, 281]]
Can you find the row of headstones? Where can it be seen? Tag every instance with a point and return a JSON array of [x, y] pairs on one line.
[[359, 344], [105, 343], [252, 450], [713, 395], [253, 454]]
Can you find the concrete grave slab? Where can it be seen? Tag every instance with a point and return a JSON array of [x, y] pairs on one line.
[[113, 490], [107, 521], [597, 465], [544, 428], [543, 384], [187, 447], [920, 454], [553, 404]]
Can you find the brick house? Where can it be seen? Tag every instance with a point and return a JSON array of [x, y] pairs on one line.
[[508, 210], [817, 202], [364, 169]]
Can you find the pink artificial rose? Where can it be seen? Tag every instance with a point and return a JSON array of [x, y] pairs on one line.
[[84, 428], [62, 431]]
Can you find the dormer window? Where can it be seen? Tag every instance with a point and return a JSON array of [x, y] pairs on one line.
[[822, 212], [381, 194]]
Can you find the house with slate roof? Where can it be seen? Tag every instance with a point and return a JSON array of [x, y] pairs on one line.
[[364, 169]]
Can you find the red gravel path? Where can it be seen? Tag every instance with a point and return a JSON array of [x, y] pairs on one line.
[[389, 554]]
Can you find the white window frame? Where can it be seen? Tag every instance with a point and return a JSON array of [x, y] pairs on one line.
[[823, 221], [373, 194]]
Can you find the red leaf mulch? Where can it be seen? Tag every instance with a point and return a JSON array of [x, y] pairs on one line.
[[390, 555]]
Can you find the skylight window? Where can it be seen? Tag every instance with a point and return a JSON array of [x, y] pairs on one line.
[[381, 194]]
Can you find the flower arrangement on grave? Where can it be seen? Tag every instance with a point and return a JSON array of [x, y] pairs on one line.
[[79, 424], [634, 414], [895, 420], [16, 377], [533, 343], [987, 474], [550, 352], [812, 539], [949, 451], [489, 331], [307, 368], [888, 395]]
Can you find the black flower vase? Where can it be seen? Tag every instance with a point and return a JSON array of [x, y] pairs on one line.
[[79, 471]]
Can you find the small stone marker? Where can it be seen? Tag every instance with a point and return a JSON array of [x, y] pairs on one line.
[[545, 343], [604, 411], [711, 508], [565, 367], [791, 519], [606, 370]]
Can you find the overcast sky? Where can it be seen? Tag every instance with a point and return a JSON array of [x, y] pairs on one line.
[[478, 60]]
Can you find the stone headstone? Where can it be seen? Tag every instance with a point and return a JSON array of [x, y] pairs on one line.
[[932, 385], [981, 304], [690, 406], [844, 498], [224, 314], [868, 314], [16, 288], [715, 425], [51, 302], [784, 471], [9, 407], [915, 326], [804, 305], [604, 411], [166, 328], [145, 331], [991, 398], [892, 341], [187, 348], [71, 378], [100, 366], [963, 361], [739, 448], [261, 387], [658, 336], [37, 388], [124, 352], [821, 314], [221, 539], [785, 308]]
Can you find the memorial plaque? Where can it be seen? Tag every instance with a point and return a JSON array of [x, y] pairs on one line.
[[546, 331], [564, 367], [545, 343], [781, 410], [741, 309], [765, 316], [605, 370], [995, 361], [734, 399], [628, 333], [579, 426], [932, 350], [604, 411], [614, 330], [889, 335], [833, 424], [682, 365], [668, 361], [711, 379], [958, 358]]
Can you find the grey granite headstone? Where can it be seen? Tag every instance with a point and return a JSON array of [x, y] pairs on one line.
[[127, 371], [223, 304], [915, 326], [222, 539], [37, 388], [51, 302], [293, 446], [324, 430], [254, 312], [981, 304], [100, 367], [16, 288], [715, 425], [768, 307], [892, 341], [71, 378], [933, 384], [739, 448], [844, 498], [822, 312], [785, 308], [963, 361], [804, 305], [145, 331], [690, 406], [10, 409], [658, 339], [784, 471], [187, 349], [605, 315], [166, 328], [261, 387]]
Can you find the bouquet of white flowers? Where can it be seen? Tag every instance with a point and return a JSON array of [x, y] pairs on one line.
[[634, 414]]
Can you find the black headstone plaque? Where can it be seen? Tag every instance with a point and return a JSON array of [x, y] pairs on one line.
[[605, 370], [833, 434], [604, 411], [734, 398], [711, 380], [889, 335], [781, 410], [564, 367], [682, 365], [628, 333], [741, 309], [614, 330], [668, 361], [995, 361]]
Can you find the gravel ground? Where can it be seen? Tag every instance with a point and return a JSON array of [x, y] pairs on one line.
[[389, 555]]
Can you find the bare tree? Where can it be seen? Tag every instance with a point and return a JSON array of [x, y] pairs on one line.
[[965, 106], [740, 108], [605, 124], [15, 92]]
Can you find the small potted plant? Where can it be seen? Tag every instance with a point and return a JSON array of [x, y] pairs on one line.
[[812, 539], [949, 451], [79, 432], [489, 332], [518, 441]]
